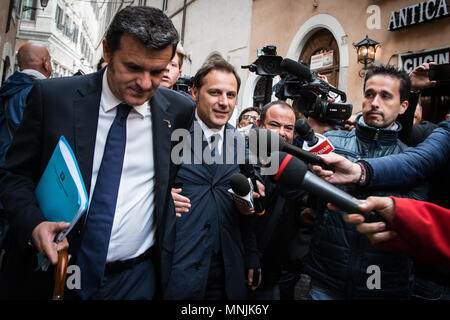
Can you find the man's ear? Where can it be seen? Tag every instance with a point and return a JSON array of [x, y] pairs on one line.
[[106, 51], [194, 93], [258, 123], [404, 107]]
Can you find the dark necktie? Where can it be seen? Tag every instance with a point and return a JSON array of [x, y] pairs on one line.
[[97, 228], [214, 215]]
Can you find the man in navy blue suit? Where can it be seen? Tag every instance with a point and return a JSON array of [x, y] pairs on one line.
[[119, 124], [215, 246]]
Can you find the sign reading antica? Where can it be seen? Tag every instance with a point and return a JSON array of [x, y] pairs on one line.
[[418, 13]]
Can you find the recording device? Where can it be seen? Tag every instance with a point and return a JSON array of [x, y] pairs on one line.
[[313, 142], [267, 63], [440, 72], [301, 83], [249, 171], [184, 83], [242, 190], [294, 173], [270, 140]]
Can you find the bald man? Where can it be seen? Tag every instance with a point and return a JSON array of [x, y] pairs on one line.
[[34, 63]]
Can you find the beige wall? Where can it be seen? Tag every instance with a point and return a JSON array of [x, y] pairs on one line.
[[277, 22], [7, 40]]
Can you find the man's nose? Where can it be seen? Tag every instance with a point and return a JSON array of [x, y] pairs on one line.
[[223, 100], [144, 81], [376, 101]]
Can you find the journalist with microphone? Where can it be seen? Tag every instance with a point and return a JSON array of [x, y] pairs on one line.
[[279, 231], [339, 256]]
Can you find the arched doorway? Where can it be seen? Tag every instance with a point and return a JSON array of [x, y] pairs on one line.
[[322, 44]]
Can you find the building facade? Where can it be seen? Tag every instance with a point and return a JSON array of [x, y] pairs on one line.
[[9, 25], [322, 33], [208, 27], [71, 31]]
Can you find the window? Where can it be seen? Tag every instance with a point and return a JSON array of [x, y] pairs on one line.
[[67, 25], [59, 17], [29, 14], [75, 34]]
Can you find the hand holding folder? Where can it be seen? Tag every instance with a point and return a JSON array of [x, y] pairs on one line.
[[62, 198]]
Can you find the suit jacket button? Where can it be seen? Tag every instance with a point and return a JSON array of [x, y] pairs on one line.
[[198, 265], [207, 226]]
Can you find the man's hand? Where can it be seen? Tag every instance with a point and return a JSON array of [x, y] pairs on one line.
[[44, 234], [307, 216], [251, 273], [182, 204], [376, 231], [347, 172], [420, 77]]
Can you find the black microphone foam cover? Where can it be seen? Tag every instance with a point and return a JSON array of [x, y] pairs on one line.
[[270, 137], [291, 170], [239, 184], [305, 131], [295, 68]]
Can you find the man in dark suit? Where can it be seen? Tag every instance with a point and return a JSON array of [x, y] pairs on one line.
[[214, 245], [119, 124]]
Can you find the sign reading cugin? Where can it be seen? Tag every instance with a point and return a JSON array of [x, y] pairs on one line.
[[418, 13]]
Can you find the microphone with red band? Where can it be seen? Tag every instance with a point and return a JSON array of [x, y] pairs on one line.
[[273, 140], [294, 173], [314, 142]]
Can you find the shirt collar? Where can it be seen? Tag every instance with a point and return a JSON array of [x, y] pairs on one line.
[[33, 74], [109, 100], [208, 132]]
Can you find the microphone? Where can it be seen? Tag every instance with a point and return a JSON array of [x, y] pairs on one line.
[[274, 143], [249, 171], [314, 142], [242, 191], [294, 173], [297, 69]]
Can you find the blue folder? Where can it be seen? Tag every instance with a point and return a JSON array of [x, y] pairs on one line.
[[61, 192]]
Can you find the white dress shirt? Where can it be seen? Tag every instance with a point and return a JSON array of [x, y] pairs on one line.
[[133, 229], [208, 132]]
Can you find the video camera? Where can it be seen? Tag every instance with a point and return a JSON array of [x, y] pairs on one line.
[[184, 83], [267, 64], [311, 94]]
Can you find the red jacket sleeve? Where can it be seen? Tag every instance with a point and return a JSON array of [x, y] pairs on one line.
[[423, 231]]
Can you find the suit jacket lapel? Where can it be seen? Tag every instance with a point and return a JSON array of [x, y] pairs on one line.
[[162, 121], [86, 109]]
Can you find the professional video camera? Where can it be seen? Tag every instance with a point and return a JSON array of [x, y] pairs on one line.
[[312, 96], [184, 83], [267, 64], [301, 84]]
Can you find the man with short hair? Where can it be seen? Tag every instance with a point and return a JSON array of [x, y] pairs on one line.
[[279, 231], [248, 117], [214, 243], [119, 123], [339, 257], [34, 63]]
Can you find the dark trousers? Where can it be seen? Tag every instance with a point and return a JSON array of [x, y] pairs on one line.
[[135, 283], [215, 287]]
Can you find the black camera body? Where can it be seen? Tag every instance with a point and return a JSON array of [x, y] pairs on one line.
[[184, 83], [312, 98], [267, 64]]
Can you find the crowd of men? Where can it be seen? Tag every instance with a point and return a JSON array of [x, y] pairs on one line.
[[164, 225]]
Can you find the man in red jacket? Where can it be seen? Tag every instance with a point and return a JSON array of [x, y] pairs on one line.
[[417, 228]]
